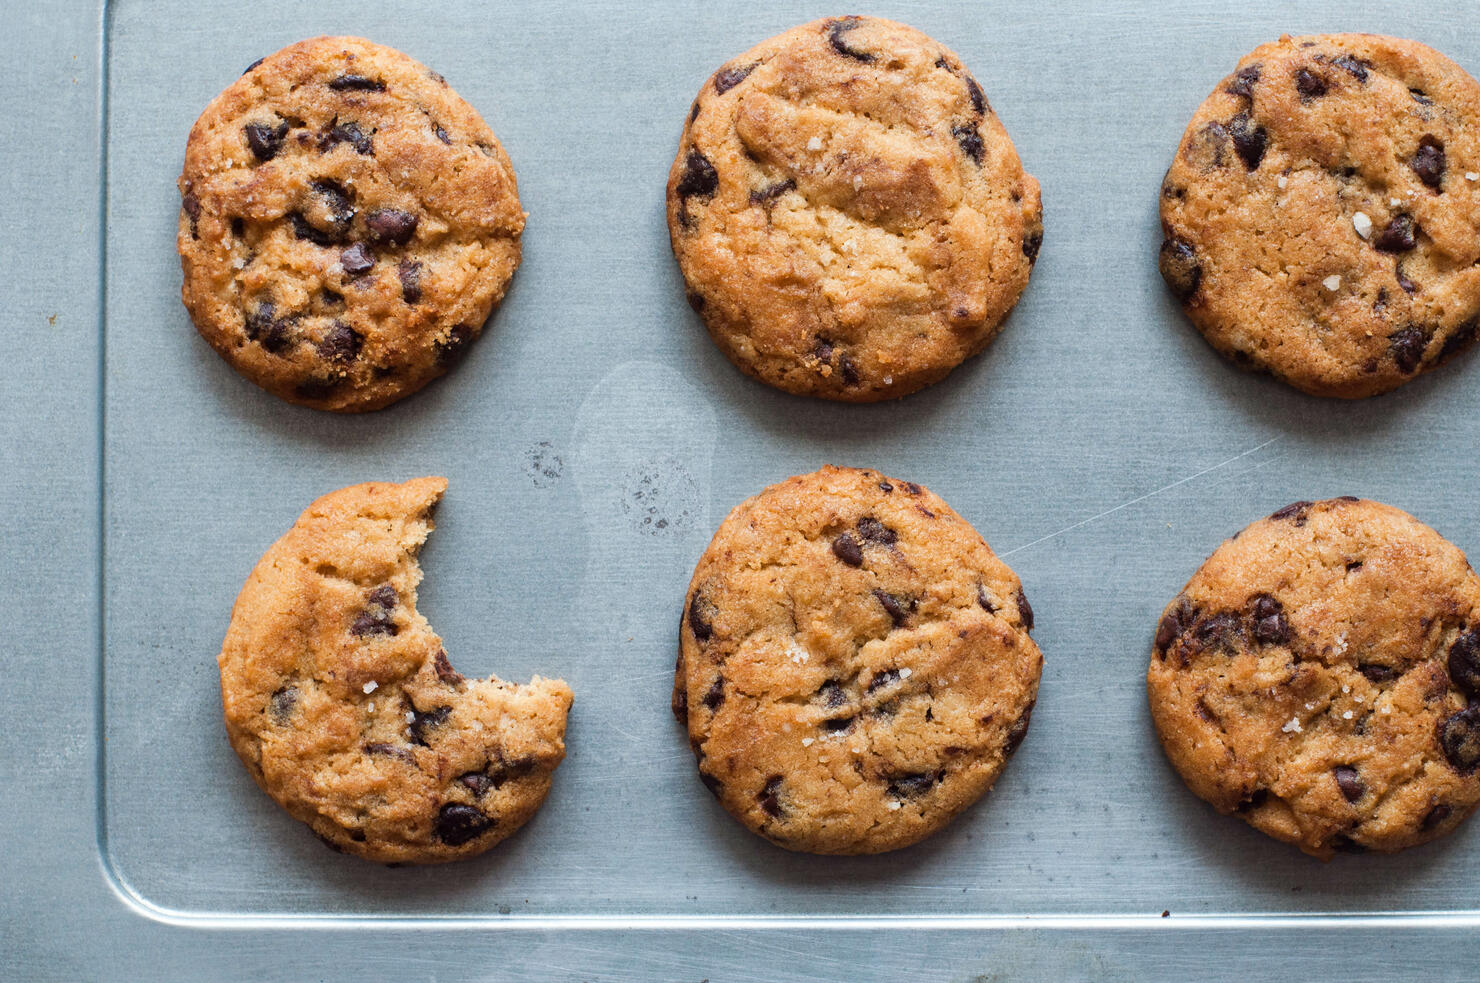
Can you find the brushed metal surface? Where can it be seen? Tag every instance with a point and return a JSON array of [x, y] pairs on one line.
[[1100, 446]]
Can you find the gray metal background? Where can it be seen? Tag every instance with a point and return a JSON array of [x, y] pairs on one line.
[[1099, 445]]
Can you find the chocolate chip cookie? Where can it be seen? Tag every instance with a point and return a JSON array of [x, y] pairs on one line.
[[1321, 219], [342, 704], [854, 663], [848, 212], [347, 223], [1317, 677]]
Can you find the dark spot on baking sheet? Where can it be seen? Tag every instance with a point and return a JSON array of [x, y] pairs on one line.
[[543, 465], [732, 75], [846, 548], [1179, 268], [357, 260], [836, 31], [356, 83], [1400, 235], [409, 273], [660, 497], [458, 824], [1407, 346]]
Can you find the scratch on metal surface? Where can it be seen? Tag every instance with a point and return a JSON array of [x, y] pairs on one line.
[[1140, 498]]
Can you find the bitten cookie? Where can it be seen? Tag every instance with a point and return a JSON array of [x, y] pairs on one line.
[[347, 223], [1316, 678], [849, 214], [1322, 215], [342, 704], [854, 663]]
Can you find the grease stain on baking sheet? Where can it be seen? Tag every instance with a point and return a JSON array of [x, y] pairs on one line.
[[543, 465], [660, 497]]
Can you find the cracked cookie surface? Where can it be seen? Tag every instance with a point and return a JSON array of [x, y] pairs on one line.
[[1321, 220], [342, 704], [1316, 677], [347, 223], [854, 663], [850, 216]]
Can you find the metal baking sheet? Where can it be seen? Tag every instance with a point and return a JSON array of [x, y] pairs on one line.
[[593, 439]]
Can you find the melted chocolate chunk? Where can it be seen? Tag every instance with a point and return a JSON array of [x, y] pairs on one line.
[[1218, 632], [1031, 244], [1180, 268], [715, 698], [351, 134], [1243, 81], [1299, 512], [1428, 162], [392, 751], [769, 797], [1270, 624], [1459, 737], [1407, 346], [265, 140], [883, 679], [1019, 730], [874, 531], [326, 215], [836, 29], [1249, 140], [356, 83], [912, 786], [700, 179], [1350, 783], [455, 345], [847, 549], [458, 824], [978, 101], [409, 273], [1310, 85], [899, 609], [1400, 235], [1173, 623], [280, 705], [1025, 610], [1464, 662], [970, 139], [421, 722], [341, 343], [1377, 673], [357, 260], [728, 77], [771, 192], [1356, 67], [444, 669], [1435, 816], [390, 226], [832, 695], [701, 617]]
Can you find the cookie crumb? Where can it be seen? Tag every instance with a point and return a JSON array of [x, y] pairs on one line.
[[1363, 224]]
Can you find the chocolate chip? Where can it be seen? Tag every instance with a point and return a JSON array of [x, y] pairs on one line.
[[769, 796], [351, 134], [356, 83], [978, 101], [265, 140], [1220, 632], [1180, 268], [409, 272], [357, 260], [1298, 511], [848, 368], [454, 345], [444, 669], [330, 210], [477, 782], [714, 785], [875, 531], [885, 487], [832, 695], [1271, 627], [1407, 346], [883, 679], [1377, 673], [1254, 800], [701, 617], [259, 319], [191, 204], [392, 751], [1018, 730], [1400, 236], [970, 139], [458, 824], [1243, 82], [376, 618], [390, 226], [1459, 737], [1350, 783], [421, 722], [341, 343], [771, 192], [835, 31], [1173, 623], [1461, 339], [1435, 816], [847, 549], [1031, 244], [913, 488], [912, 785], [837, 726], [1249, 140], [1464, 662], [1345, 844], [728, 77], [1420, 97], [254, 65], [1354, 66], [1310, 85], [715, 698], [899, 609], [441, 134], [281, 705], [1428, 162], [699, 179], [1025, 610]]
